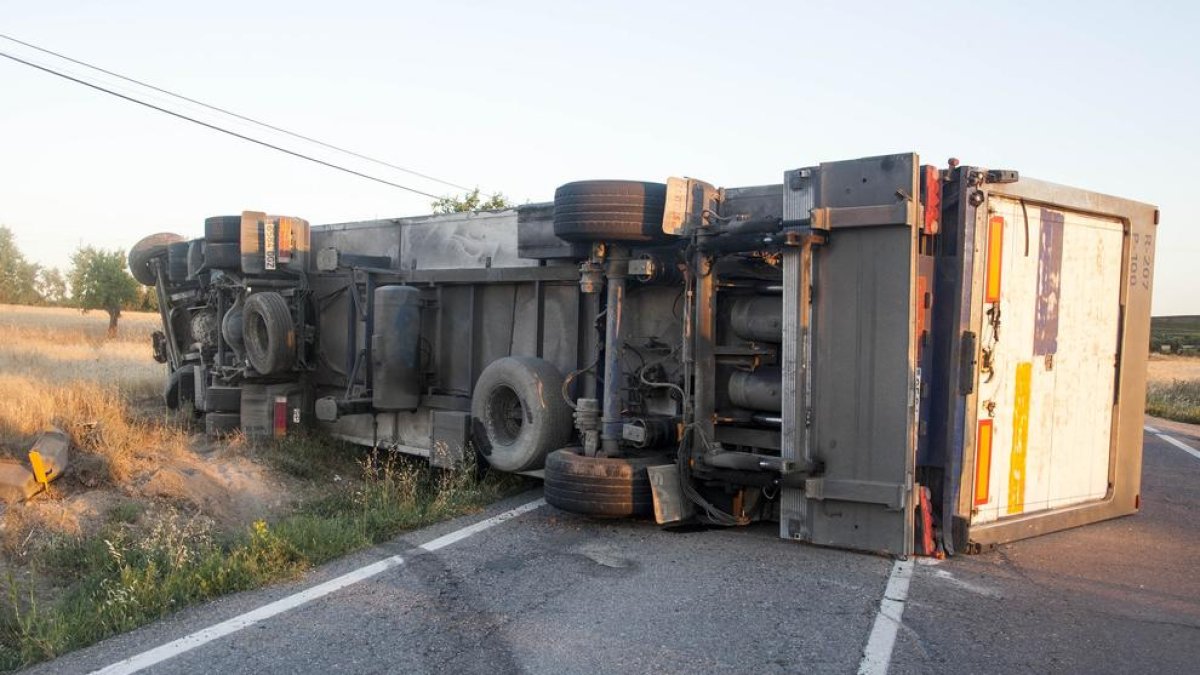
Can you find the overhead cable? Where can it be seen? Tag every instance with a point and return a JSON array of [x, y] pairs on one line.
[[215, 127], [246, 118]]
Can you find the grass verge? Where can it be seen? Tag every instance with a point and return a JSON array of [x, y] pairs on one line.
[[125, 576], [1177, 400]]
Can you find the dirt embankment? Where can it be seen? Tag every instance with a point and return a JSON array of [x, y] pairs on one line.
[[128, 455]]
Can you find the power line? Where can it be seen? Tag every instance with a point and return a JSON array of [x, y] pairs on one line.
[[231, 113], [214, 127]]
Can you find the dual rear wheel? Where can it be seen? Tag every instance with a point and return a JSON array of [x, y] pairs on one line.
[[520, 422]]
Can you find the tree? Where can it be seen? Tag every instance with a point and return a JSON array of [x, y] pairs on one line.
[[17, 275], [471, 201], [146, 300], [99, 281], [52, 286]]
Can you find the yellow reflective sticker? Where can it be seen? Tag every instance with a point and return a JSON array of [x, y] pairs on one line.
[[1016, 465]]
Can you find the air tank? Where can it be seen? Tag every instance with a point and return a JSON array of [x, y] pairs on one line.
[[395, 348], [760, 389], [758, 318], [232, 328]]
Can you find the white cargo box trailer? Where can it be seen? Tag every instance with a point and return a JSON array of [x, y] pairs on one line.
[[876, 354]]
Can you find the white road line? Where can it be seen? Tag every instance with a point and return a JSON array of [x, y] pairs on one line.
[[201, 637], [1180, 444], [1150, 429], [877, 655]]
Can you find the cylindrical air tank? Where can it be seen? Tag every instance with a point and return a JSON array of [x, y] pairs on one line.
[[758, 318], [760, 389], [395, 348]]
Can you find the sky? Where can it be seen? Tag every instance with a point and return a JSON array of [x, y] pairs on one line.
[[521, 97]]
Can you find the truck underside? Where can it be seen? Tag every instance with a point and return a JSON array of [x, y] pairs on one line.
[[876, 354]]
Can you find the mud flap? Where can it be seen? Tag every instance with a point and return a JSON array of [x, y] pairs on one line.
[[670, 506]]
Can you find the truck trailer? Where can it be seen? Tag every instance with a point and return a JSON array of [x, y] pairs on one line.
[[875, 354]]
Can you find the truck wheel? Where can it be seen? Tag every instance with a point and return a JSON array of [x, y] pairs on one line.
[[223, 229], [177, 262], [223, 399], [143, 254], [195, 258], [181, 387], [269, 333], [600, 486], [610, 210], [218, 424], [518, 414], [222, 256]]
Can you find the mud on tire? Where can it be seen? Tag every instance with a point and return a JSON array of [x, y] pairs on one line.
[[600, 486], [518, 414]]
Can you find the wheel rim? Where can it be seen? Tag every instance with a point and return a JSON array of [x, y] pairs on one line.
[[506, 415]]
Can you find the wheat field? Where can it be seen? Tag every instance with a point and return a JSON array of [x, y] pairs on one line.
[[58, 368]]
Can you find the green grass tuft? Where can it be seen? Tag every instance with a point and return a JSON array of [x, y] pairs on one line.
[[123, 577], [126, 512]]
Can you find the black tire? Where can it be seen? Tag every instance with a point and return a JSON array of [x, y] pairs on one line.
[[177, 262], [518, 415], [158, 340], [223, 399], [144, 253], [181, 388], [223, 229], [610, 210], [269, 333], [222, 256], [218, 424], [600, 486], [195, 258]]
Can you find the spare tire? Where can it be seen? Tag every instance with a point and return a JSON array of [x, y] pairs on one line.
[[600, 486], [610, 210], [518, 415], [143, 254], [222, 256], [269, 333], [223, 229]]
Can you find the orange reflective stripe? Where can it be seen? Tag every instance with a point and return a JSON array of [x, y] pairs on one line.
[[995, 256], [983, 462]]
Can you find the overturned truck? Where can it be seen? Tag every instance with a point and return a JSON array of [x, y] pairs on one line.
[[876, 354]]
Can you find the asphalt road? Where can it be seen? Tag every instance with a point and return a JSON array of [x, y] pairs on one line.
[[550, 592]]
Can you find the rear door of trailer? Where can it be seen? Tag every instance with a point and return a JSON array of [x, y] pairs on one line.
[[1062, 287]]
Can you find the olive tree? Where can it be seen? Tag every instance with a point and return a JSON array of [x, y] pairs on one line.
[[99, 281], [471, 201], [17, 275], [52, 286]]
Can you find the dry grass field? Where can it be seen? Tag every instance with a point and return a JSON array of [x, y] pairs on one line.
[[1165, 368], [58, 369], [150, 516]]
